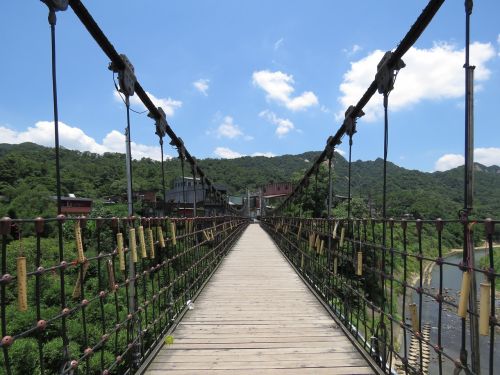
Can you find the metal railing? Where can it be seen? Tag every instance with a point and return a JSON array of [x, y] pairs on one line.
[[65, 309], [405, 303]]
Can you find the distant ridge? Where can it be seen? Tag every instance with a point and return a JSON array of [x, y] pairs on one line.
[[27, 174]]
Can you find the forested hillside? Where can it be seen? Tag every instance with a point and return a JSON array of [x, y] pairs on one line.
[[27, 180]]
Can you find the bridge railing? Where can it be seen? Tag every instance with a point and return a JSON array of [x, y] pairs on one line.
[[69, 307], [403, 302]]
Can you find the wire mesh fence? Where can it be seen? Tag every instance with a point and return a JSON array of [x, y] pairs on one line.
[[414, 304], [101, 299]]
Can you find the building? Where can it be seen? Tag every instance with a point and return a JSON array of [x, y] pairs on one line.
[[180, 199], [147, 196], [279, 189], [179, 195], [257, 202], [73, 206]]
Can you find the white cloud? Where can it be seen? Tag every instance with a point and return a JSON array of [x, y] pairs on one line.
[[283, 126], [202, 86], [487, 156], [483, 155], [226, 153], [430, 74], [278, 43], [448, 161], [266, 154], [169, 105], [340, 152], [278, 86], [228, 129], [352, 51], [75, 138]]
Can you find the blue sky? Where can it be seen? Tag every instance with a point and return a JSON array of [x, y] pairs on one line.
[[254, 77]]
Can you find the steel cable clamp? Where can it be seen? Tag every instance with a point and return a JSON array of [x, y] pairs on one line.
[[126, 76], [160, 121], [386, 74]]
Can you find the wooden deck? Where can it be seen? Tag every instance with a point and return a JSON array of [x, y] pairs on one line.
[[256, 316]]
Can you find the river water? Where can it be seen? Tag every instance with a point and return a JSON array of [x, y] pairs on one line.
[[451, 323]]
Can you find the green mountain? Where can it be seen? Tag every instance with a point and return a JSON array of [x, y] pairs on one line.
[[27, 180]]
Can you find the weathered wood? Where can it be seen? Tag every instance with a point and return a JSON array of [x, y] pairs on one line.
[[271, 371], [257, 316]]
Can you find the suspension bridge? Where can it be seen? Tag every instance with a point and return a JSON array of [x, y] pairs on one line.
[[224, 295]]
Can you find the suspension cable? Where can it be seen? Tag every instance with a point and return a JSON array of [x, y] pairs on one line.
[[164, 190], [128, 160], [385, 79], [349, 179], [386, 146], [468, 256], [193, 171], [52, 22], [181, 156], [204, 195]]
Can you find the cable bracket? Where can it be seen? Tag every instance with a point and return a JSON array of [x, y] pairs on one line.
[[330, 147], [386, 75], [350, 120], [56, 5], [126, 76], [180, 149], [160, 121]]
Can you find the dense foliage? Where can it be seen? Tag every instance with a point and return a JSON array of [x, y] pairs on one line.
[[27, 181]]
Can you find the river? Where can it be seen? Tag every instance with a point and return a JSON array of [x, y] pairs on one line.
[[451, 323]]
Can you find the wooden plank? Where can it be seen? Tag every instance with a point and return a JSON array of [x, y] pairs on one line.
[[256, 316], [256, 340], [262, 345], [256, 352], [180, 356], [286, 371], [258, 364]]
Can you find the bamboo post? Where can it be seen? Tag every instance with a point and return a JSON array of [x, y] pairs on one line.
[[22, 281], [159, 233], [484, 309], [132, 244], [172, 233], [359, 264], [142, 242], [149, 234], [312, 239], [342, 234], [414, 317], [111, 276], [334, 232], [119, 248], [206, 235], [78, 242], [464, 295]]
